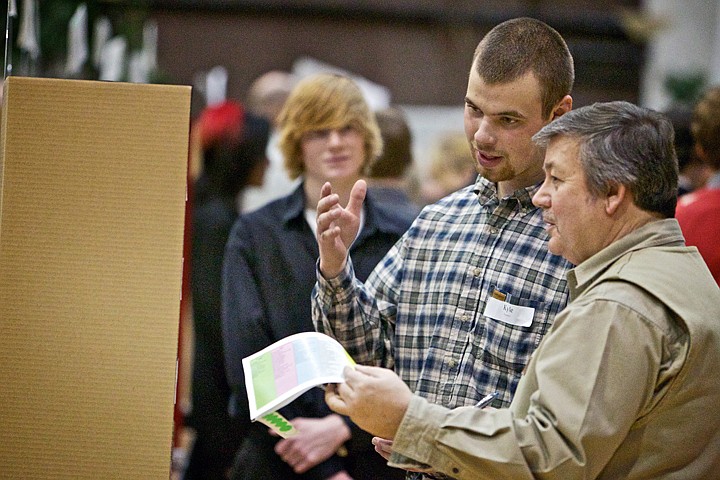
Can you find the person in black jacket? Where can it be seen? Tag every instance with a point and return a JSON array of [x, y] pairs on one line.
[[327, 133]]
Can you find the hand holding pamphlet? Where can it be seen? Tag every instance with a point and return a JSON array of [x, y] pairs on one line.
[[281, 372]]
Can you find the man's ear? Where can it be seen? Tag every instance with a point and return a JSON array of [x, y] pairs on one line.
[[563, 106], [615, 198]]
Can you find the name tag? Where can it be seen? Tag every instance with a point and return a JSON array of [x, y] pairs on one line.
[[508, 313]]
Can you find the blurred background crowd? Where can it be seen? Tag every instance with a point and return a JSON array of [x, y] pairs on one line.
[[410, 53]]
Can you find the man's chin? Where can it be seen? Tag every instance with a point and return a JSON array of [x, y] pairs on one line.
[[553, 247], [495, 175]]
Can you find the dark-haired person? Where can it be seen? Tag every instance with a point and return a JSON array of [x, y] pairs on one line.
[[390, 175], [232, 144]]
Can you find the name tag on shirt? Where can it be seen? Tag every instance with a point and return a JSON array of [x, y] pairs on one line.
[[508, 313]]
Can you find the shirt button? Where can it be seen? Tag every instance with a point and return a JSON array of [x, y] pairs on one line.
[[493, 230], [452, 363], [465, 317], [477, 272]]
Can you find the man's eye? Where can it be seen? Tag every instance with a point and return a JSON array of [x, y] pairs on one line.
[[508, 120]]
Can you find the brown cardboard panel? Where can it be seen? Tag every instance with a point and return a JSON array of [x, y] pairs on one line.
[[92, 198]]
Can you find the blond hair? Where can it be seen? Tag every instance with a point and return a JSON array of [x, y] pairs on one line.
[[452, 165], [325, 101]]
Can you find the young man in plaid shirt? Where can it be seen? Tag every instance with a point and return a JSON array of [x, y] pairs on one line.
[[459, 304]]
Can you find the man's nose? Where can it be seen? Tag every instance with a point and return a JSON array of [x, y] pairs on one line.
[[541, 199], [484, 134]]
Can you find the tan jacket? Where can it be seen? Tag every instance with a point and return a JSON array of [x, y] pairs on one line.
[[626, 385]]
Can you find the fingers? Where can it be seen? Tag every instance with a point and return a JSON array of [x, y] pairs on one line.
[[383, 453], [327, 203], [338, 396], [329, 208], [289, 455], [355, 378], [328, 200], [351, 376], [325, 190], [328, 212], [383, 447]]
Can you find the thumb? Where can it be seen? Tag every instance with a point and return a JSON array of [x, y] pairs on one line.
[[357, 196]]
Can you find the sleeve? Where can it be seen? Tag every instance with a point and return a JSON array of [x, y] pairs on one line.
[[245, 330], [589, 381], [361, 316], [242, 314]]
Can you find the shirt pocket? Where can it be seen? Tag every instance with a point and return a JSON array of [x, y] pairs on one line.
[[507, 347]]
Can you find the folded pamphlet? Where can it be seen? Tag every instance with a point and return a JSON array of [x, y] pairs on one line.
[[281, 372]]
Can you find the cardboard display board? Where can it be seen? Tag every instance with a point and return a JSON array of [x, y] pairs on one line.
[[92, 199]]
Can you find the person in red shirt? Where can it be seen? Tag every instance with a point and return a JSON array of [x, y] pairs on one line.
[[698, 212]]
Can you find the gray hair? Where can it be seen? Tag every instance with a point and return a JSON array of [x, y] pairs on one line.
[[623, 144]]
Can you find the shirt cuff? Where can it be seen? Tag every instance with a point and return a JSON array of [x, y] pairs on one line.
[[414, 444], [333, 286]]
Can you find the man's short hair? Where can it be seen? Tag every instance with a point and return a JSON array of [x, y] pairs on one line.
[[521, 45], [623, 144], [325, 101]]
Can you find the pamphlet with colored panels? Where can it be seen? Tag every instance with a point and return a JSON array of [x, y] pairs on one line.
[[281, 372]]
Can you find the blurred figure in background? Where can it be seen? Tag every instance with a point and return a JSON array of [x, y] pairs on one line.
[[266, 97], [390, 175], [451, 168], [327, 133], [232, 142], [698, 212], [693, 171]]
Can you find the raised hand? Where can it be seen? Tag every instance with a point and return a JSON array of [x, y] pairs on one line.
[[337, 227]]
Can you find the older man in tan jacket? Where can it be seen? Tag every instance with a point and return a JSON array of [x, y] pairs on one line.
[[625, 384]]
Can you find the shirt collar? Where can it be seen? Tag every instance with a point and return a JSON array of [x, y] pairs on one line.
[[487, 193], [295, 206], [657, 233]]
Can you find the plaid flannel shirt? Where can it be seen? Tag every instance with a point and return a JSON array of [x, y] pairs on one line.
[[421, 311]]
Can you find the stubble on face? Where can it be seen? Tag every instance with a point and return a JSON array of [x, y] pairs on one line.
[[505, 171]]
